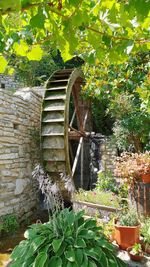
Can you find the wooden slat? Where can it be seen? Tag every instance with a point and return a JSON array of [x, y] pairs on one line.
[[53, 120], [57, 97], [61, 108], [56, 88]]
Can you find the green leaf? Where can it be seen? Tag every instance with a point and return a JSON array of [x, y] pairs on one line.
[[21, 49], [80, 243], [38, 20], [3, 64], [69, 254], [27, 262], [36, 53], [66, 52], [91, 253], [10, 5], [129, 47], [19, 250], [92, 264], [56, 244], [79, 256], [87, 234], [40, 260], [37, 242], [104, 260], [55, 261], [85, 261]]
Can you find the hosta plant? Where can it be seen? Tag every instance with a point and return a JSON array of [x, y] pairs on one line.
[[67, 240]]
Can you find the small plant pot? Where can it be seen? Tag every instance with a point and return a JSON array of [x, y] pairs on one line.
[[126, 236], [134, 257], [146, 178]]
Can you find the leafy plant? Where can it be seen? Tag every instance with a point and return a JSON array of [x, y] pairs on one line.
[[145, 231], [106, 182], [128, 218], [136, 249], [66, 240], [9, 223], [98, 31], [98, 197], [131, 166]]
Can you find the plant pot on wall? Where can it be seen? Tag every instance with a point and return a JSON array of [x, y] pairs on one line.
[[134, 257], [126, 236], [146, 178]]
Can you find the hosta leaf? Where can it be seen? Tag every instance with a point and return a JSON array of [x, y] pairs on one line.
[[37, 242], [80, 243], [90, 223], [79, 256], [55, 261], [56, 244], [36, 53], [91, 253], [70, 255], [85, 261], [88, 234], [104, 260], [92, 264], [19, 250], [28, 262], [40, 260], [30, 233]]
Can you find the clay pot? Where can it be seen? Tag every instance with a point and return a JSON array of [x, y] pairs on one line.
[[126, 236], [146, 178], [134, 257]]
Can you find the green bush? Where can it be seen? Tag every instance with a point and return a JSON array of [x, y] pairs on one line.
[[128, 218], [9, 223], [66, 240], [145, 231]]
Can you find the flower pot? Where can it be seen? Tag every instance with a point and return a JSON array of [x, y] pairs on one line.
[[134, 257], [126, 236], [146, 178]]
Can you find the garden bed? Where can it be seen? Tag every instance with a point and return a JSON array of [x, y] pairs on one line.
[[92, 209]]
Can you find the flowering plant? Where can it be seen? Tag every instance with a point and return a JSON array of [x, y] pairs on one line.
[[132, 165]]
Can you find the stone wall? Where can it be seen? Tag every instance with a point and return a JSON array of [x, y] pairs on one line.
[[19, 150], [10, 82], [108, 152]]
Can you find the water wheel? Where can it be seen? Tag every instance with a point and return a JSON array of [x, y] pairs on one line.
[[64, 123]]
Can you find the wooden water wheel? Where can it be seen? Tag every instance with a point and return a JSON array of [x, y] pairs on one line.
[[64, 123]]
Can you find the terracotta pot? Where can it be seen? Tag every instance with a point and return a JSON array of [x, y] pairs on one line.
[[146, 178], [134, 257], [126, 236]]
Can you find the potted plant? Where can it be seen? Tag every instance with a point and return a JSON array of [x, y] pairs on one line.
[[133, 167], [145, 232], [135, 252], [126, 229]]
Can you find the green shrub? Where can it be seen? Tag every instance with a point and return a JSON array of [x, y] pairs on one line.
[[128, 218], [66, 240], [9, 223], [106, 181], [145, 230]]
